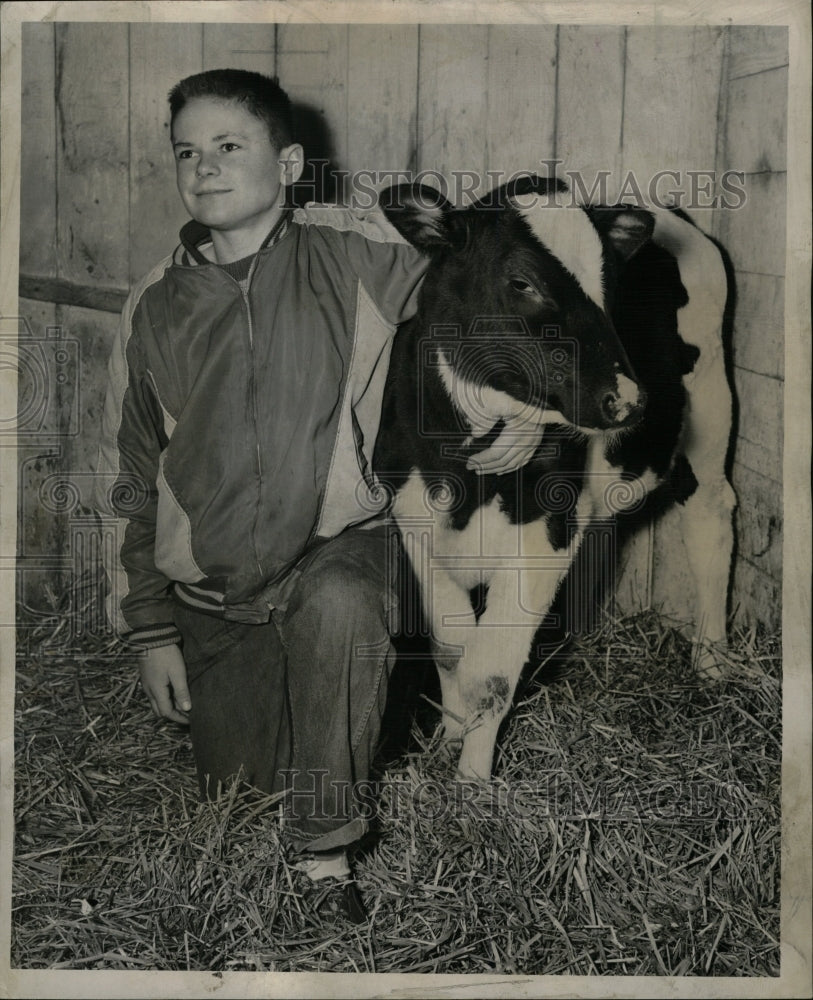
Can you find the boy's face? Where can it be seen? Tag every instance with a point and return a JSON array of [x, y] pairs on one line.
[[230, 175]]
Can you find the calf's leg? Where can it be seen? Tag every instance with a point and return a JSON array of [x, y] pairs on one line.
[[709, 537], [490, 668], [448, 612], [706, 517], [454, 630]]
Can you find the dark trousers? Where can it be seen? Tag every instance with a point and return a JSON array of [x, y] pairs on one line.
[[297, 703]]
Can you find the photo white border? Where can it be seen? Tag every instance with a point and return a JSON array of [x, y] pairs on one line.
[[795, 979]]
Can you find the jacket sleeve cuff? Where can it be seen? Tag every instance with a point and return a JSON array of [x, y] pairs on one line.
[[153, 636]]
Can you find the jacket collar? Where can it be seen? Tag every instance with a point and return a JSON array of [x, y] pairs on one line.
[[195, 235]]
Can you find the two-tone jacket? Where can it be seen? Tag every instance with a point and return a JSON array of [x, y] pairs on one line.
[[239, 423]]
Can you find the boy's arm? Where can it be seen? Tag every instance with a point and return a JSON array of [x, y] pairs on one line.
[[139, 603], [124, 488], [389, 268]]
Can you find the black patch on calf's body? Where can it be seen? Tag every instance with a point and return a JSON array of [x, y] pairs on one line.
[[548, 487], [689, 356], [561, 528], [682, 480], [498, 686], [647, 301], [498, 693], [558, 483]]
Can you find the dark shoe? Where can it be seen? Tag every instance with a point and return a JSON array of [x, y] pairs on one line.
[[334, 898]]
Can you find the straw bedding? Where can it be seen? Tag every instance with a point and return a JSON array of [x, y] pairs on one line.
[[632, 827]]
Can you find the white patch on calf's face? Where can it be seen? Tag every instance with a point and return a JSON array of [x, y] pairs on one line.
[[628, 391], [483, 406], [572, 238]]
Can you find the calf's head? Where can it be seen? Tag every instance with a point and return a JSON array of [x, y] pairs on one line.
[[522, 283]]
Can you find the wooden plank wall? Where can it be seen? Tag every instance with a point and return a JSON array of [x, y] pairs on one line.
[[754, 141], [100, 207]]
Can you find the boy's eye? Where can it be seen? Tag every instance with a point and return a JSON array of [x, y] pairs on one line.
[[229, 146], [185, 154]]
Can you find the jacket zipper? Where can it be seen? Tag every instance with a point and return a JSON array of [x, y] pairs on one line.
[[253, 391], [252, 388]]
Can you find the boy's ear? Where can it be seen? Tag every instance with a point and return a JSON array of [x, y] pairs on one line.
[[420, 214], [292, 163]]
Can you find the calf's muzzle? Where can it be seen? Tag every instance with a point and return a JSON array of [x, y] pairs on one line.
[[623, 406]]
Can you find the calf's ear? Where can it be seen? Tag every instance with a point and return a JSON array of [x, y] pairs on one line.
[[419, 213], [627, 228]]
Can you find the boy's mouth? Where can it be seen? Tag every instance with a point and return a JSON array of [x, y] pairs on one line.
[[202, 194]]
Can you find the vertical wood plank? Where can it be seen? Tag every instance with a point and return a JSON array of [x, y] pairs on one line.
[[160, 56], [93, 154], [453, 106], [312, 64], [38, 153], [757, 597], [671, 98], [754, 235], [757, 476], [40, 532], [521, 89], [590, 98], [672, 79], [754, 142], [757, 458], [756, 126], [759, 328], [759, 520], [755, 49], [58, 462], [758, 570], [721, 153], [95, 331], [382, 83], [240, 46], [761, 400]]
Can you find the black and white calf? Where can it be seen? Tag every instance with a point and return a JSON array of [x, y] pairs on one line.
[[603, 325]]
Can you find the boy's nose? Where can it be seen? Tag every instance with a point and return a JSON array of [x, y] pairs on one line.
[[205, 167]]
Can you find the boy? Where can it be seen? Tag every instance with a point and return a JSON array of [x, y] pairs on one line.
[[243, 404]]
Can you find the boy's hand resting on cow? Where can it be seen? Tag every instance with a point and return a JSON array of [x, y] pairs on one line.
[[518, 440], [163, 677]]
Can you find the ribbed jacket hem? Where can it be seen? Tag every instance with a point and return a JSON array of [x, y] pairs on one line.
[[154, 636]]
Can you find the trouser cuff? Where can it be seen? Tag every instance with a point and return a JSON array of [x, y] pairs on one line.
[[332, 840]]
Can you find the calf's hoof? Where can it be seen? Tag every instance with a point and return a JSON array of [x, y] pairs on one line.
[[708, 660]]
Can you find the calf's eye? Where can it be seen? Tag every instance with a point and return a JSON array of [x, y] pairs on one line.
[[536, 297]]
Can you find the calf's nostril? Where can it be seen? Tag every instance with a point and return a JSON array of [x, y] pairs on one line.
[[619, 411], [610, 406]]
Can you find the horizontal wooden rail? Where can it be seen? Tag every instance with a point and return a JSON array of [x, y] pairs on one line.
[[70, 293]]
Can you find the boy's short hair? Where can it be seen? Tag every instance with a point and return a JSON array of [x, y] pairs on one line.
[[262, 96]]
